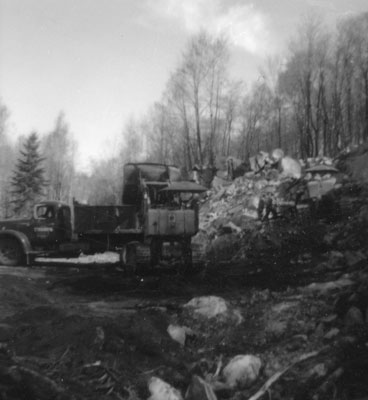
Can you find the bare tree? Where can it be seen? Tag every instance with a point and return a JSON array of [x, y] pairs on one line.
[[134, 147], [270, 74], [303, 82], [59, 152], [352, 54], [254, 116], [106, 182], [7, 159], [231, 110], [201, 80]]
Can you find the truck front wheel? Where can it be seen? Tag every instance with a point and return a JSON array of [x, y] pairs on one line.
[[11, 253]]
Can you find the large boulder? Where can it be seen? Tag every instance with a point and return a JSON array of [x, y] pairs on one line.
[[242, 371], [160, 390], [213, 307], [288, 166], [208, 306]]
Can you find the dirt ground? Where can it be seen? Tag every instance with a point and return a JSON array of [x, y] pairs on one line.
[[87, 331]]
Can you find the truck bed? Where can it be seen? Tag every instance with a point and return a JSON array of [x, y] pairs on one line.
[[104, 219]]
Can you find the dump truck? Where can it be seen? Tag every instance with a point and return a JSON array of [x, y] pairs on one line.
[[158, 207]]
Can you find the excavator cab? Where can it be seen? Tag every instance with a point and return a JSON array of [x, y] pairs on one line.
[[166, 205]]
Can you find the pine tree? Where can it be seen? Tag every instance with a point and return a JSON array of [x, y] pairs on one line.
[[28, 182]]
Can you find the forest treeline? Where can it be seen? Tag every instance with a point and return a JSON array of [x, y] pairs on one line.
[[311, 101]]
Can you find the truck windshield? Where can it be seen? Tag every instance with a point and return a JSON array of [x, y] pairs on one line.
[[45, 212]]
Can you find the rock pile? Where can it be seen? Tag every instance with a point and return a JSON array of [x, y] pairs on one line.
[[235, 206]]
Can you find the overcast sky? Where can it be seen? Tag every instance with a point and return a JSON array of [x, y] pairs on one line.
[[103, 61]]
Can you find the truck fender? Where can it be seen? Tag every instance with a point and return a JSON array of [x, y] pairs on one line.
[[22, 240]]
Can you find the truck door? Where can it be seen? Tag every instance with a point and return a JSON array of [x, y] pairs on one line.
[[64, 231], [44, 225]]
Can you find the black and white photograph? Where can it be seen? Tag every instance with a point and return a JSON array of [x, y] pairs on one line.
[[183, 200]]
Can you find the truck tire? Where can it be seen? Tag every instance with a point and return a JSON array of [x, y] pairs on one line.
[[134, 258], [128, 258], [11, 252]]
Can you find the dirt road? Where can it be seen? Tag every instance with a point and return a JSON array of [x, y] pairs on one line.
[[73, 331], [89, 330]]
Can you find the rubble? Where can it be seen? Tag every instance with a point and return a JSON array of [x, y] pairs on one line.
[[179, 333], [353, 317], [275, 187], [211, 307], [326, 287], [288, 166], [242, 371], [160, 390]]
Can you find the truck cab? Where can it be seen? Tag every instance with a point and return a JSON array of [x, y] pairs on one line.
[[52, 223], [49, 226]]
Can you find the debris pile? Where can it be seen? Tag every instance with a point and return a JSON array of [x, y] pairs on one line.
[[278, 187]]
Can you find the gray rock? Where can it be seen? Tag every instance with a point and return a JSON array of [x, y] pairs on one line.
[[353, 317], [332, 333], [242, 371]]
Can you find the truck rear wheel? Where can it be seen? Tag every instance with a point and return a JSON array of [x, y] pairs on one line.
[[11, 252], [128, 258], [134, 257]]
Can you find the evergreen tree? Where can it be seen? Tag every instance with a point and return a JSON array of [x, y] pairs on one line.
[[28, 182]]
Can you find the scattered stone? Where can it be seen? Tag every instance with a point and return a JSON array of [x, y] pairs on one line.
[[277, 319], [208, 306], [273, 365], [214, 307], [290, 167], [332, 333], [329, 319], [276, 328], [242, 371], [353, 317], [296, 343], [160, 390], [318, 370], [284, 306], [179, 333], [325, 287], [232, 227], [320, 330], [100, 337]]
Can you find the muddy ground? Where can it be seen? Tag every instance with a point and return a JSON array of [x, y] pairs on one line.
[[87, 331]]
